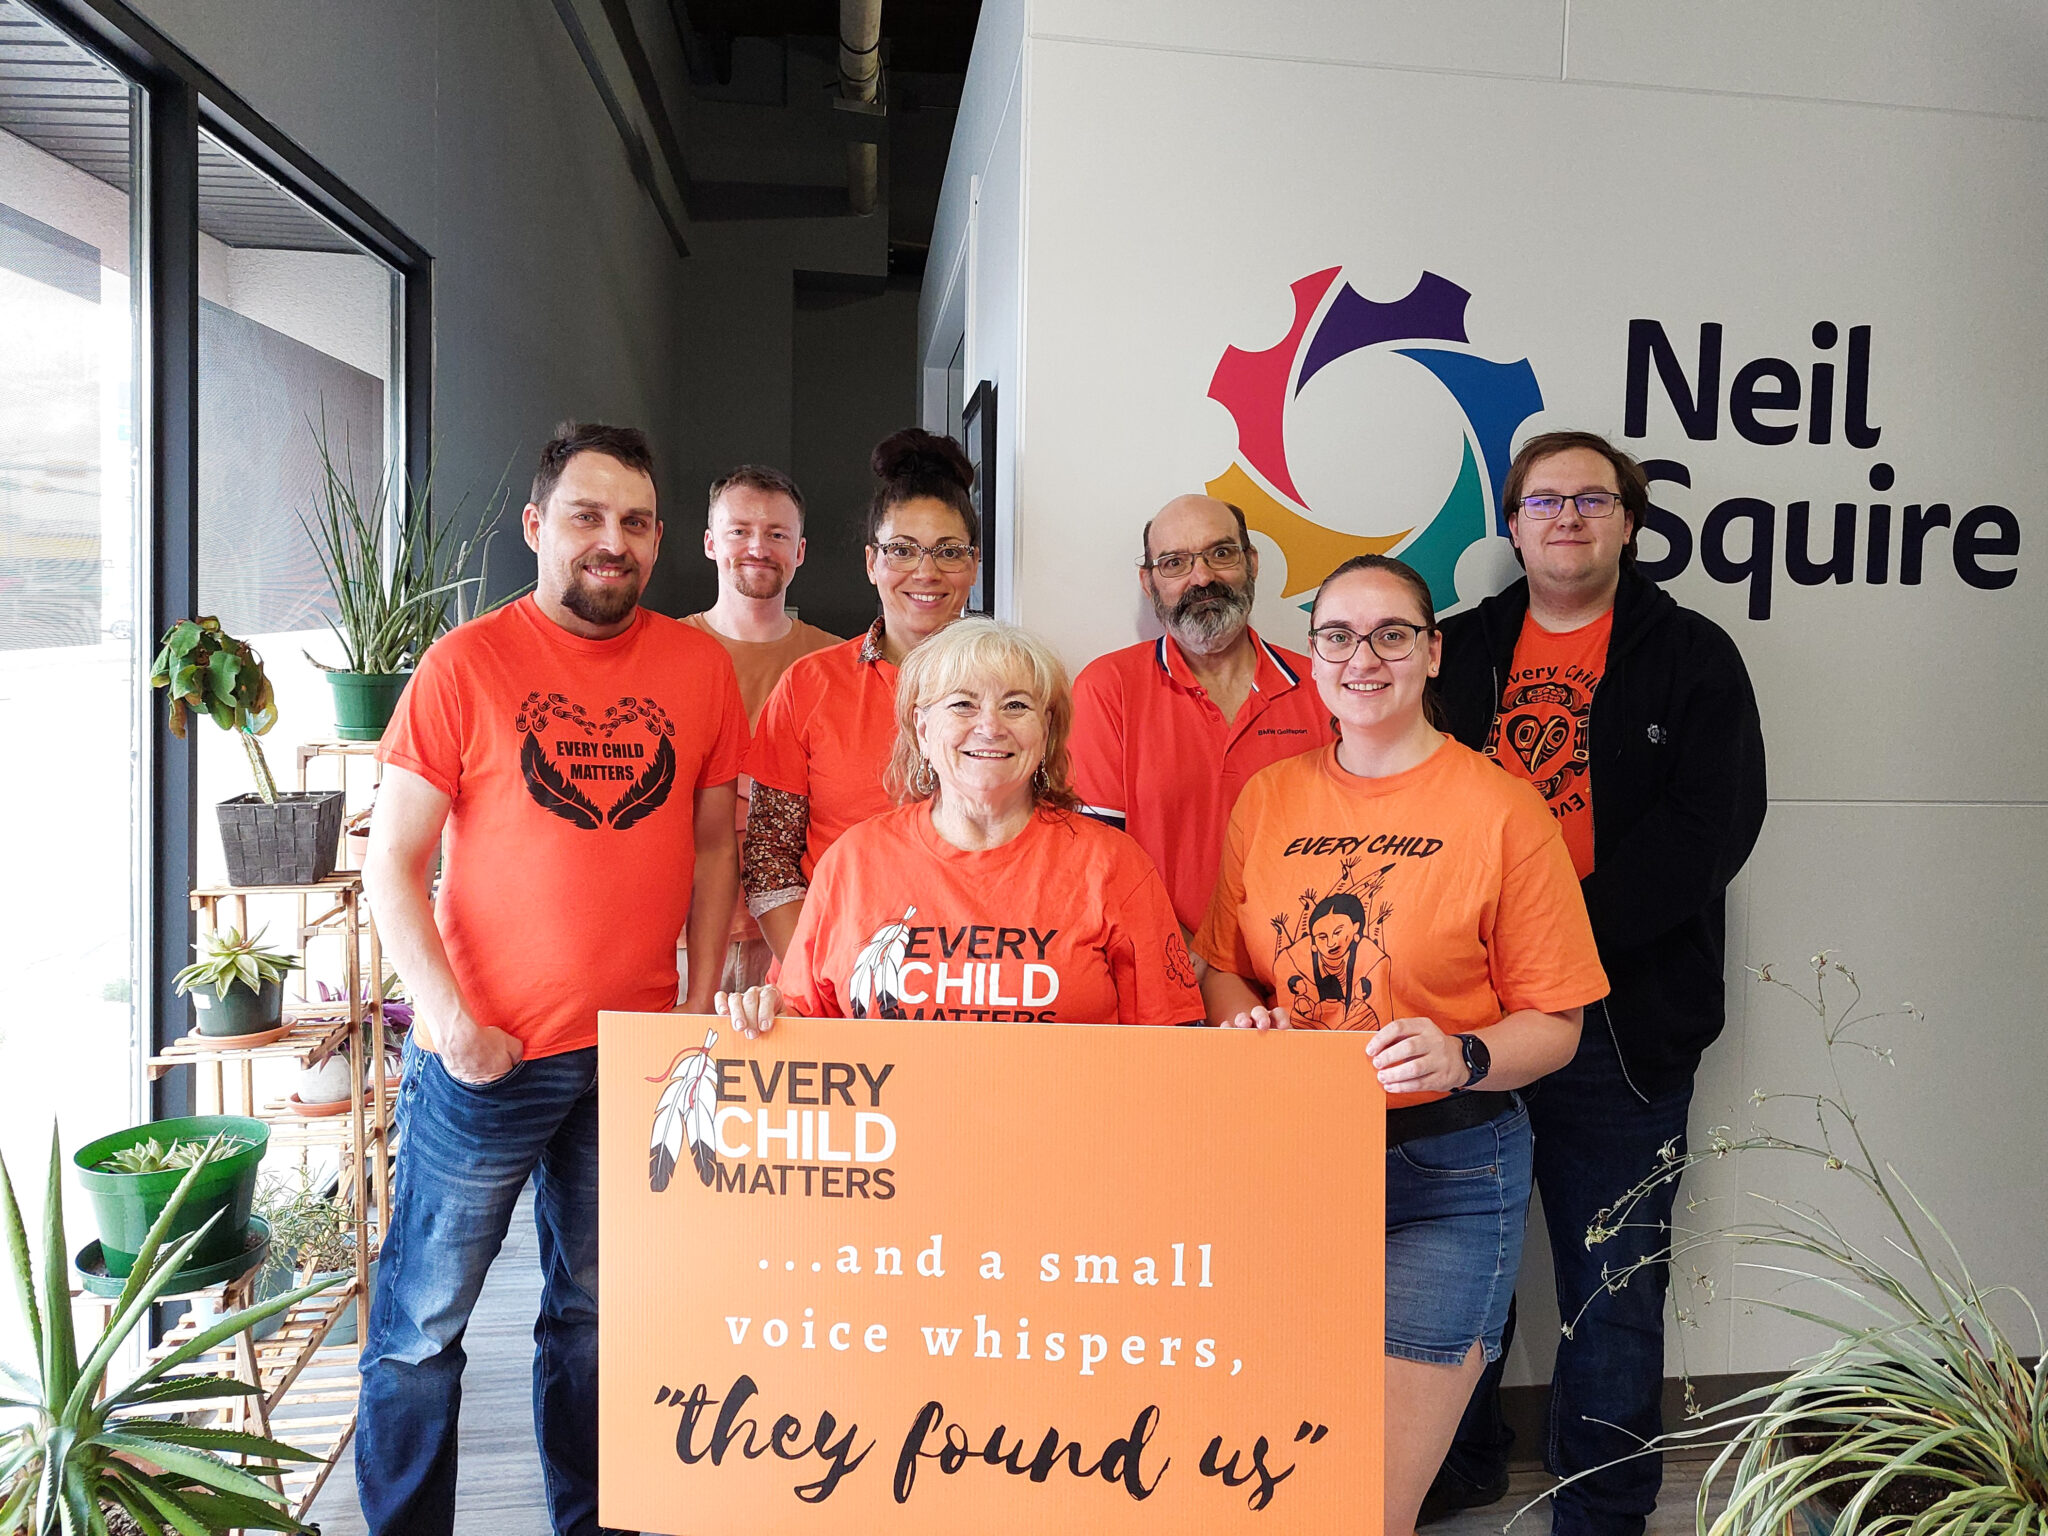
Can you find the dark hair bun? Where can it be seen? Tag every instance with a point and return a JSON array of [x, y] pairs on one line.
[[915, 454]]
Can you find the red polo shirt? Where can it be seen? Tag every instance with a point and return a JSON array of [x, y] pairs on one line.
[[1153, 755]]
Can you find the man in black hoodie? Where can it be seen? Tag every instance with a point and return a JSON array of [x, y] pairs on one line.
[[1635, 719]]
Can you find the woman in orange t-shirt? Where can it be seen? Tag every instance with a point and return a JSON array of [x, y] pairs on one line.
[[823, 741], [1400, 884], [985, 896]]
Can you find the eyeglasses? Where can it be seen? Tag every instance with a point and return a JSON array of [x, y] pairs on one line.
[[1389, 642], [908, 555], [1589, 503], [1176, 563]]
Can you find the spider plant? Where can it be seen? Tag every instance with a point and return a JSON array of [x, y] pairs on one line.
[[393, 598], [81, 1453], [1923, 1416]]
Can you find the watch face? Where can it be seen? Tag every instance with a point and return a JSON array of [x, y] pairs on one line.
[[1478, 1060]]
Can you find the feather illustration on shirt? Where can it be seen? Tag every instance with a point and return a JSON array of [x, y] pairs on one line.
[[875, 990], [685, 1115]]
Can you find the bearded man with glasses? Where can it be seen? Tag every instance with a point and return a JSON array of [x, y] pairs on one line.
[[1635, 719], [1167, 732]]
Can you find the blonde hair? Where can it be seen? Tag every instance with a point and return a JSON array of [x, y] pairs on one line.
[[969, 653]]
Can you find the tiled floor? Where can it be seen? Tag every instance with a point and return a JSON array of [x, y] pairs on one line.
[[499, 1488]]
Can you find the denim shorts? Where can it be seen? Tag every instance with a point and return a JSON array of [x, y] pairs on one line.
[[1456, 1207]]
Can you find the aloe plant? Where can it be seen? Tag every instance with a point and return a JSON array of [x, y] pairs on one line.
[[392, 603], [152, 1156], [226, 958], [79, 1453]]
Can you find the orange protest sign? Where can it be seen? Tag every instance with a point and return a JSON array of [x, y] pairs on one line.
[[939, 1277]]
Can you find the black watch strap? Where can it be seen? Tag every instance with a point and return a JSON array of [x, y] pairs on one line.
[[1478, 1059]]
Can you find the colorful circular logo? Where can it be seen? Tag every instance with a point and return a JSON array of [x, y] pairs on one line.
[[1332, 321]]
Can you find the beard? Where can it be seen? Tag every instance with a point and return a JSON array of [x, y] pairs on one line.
[[758, 581], [601, 605], [1210, 617]]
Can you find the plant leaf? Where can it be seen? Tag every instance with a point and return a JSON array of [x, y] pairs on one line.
[[60, 1347], [200, 1466], [22, 1267], [206, 1437]]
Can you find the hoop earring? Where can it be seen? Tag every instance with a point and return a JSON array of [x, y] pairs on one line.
[[924, 779], [1041, 782]]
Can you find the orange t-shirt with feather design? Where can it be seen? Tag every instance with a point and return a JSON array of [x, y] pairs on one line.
[[1067, 923], [572, 766]]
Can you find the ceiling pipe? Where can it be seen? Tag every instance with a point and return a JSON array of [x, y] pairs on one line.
[[860, 77]]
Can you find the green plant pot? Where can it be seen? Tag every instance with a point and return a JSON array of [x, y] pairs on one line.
[[363, 702], [236, 1010], [126, 1205]]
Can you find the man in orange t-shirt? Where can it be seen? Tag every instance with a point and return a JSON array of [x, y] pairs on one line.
[[1167, 732], [754, 536], [1635, 720], [579, 753]]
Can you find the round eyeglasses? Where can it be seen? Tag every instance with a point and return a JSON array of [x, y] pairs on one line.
[[1589, 503], [1390, 642], [1176, 563], [908, 555]]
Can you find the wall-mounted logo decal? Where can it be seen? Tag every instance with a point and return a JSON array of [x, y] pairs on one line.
[[1332, 320]]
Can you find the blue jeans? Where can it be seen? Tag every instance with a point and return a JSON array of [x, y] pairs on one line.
[[464, 1155], [1456, 1206], [1595, 1137]]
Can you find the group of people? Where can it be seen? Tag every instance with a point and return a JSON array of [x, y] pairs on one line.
[[1495, 845]]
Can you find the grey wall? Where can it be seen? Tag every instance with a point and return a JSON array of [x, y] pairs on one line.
[[472, 125]]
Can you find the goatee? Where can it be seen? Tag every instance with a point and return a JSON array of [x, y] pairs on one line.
[[601, 605], [1210, 617]]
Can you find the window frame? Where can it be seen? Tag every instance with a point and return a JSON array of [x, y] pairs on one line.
[[178, 98]]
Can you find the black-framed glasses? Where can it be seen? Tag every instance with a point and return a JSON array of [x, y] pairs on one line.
[[908, 554], [1390, 641], [1176, 563], [1589, 503]]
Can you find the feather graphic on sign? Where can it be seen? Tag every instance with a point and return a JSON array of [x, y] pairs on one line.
[[551, 791], [876, 986], [686, 1115], [649, 790]]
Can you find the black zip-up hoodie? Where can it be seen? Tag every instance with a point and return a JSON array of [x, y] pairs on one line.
[[1677, 777]]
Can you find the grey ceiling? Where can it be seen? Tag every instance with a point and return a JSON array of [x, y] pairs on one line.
[[59, 98]]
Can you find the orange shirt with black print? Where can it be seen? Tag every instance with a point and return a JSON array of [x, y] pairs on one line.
[[1540, 730], [1442, 893]]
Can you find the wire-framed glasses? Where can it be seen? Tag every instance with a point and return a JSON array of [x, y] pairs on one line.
[[908, 554], [1391, 641], [1176, 563], [1589, 503]]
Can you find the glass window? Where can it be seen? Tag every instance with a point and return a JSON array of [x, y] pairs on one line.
[[71, 659], [296, 349]]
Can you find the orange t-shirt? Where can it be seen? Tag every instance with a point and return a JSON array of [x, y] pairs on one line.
[[1443, 893], [573, 766], [1067, 923], [826, 734], [1540, 730], [759, 665]]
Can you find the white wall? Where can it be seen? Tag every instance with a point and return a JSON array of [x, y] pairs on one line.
[[1577, 167]]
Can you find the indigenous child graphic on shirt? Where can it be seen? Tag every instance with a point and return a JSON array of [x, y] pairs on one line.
[[1333, 968]]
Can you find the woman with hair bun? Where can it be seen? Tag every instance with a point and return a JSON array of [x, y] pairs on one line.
[[824, 739]]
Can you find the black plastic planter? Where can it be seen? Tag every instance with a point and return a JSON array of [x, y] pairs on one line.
[[294, 842]]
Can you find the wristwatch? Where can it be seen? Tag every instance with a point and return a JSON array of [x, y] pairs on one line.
[[1478, 1059]]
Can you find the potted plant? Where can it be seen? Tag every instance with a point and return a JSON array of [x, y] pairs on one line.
[[81, 1453], [312, 1237], [270, 838], [132, 1176], [236, 984], [391, 603], [1925, 1414]]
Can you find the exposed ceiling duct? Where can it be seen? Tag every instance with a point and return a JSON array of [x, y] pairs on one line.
[[860, 78]]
